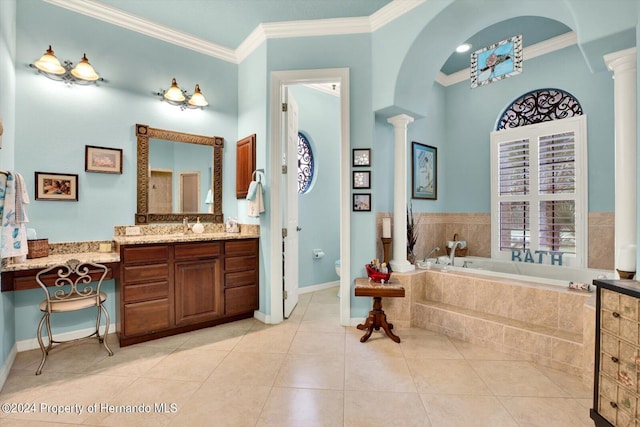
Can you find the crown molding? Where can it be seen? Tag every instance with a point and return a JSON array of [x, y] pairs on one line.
[[392, 11], [140, 25], [324, 88], [264, 31], [529, 52]]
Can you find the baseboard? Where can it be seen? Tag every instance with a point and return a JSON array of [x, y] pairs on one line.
[[318, 287], [6, 368], [32, 343], [264, 318]]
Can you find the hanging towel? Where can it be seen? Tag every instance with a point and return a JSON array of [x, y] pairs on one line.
[[13, 236], [251, 192], [255, 206]]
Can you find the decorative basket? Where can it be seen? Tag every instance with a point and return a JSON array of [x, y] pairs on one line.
[[460, 252], [38, 248], [376, 276]]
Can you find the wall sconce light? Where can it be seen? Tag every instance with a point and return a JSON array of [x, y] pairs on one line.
[[50, 66], [179, 97]]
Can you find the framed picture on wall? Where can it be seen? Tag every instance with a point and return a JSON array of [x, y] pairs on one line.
[[361, 179], [102, 159], [361, 157], [362, 202], [56, 186], [424, 171]]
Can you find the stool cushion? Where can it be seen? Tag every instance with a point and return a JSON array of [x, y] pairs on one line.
[[73, 303]]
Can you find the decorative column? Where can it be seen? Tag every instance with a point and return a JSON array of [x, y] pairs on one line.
[[623, 65], [399, 261]]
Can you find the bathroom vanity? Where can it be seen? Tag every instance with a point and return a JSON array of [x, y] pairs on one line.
[[616, 397], [171, 287]]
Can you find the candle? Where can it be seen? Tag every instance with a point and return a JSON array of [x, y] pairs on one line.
[[386, 228], [627, 261]]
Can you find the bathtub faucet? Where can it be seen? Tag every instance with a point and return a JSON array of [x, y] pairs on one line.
[[436, 249], [452, 255]]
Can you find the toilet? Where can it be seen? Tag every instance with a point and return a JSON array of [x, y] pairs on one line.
[[338, 268]]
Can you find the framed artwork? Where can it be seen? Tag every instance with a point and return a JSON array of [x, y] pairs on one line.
[[361, 179], [56, 186], [424, 171], [102, 159], [362, 202], [496, 62], [361, 157]]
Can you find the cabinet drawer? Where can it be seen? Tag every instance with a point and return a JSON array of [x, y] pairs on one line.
[[241, 278], [241, 247], [145, 291], [240, 299], [197, 250], [239, 263], [133, 254], [142, 273], [146, 317]]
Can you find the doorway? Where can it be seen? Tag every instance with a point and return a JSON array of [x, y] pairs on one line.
[[189, 192], [279, 80], [161, 190]]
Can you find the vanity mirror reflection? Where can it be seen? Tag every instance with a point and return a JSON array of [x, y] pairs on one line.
[[179, 175]]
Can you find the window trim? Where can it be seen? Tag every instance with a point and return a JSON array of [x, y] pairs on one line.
[[578, 125]]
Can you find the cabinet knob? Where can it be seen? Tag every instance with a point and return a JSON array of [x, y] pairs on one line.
[[613, 404], [615, 314], [614, 359]]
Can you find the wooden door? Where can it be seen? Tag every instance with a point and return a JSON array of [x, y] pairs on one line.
[[189, 192], [161, 191]]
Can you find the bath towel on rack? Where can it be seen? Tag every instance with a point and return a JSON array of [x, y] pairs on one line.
[[13, 198]]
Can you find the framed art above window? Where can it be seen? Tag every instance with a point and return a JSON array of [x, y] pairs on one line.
[[496, 62]]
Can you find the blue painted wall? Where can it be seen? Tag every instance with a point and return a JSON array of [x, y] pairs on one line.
[[319, 208]]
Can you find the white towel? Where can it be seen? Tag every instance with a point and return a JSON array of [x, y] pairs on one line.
[[256, 206], [13, 236]]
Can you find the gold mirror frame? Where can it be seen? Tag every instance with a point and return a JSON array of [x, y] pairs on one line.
[[143, 134]]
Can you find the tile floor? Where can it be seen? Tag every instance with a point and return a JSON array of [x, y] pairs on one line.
[[307, 371]]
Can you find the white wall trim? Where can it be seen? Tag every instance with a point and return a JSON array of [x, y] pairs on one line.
[[264, 31], [324, 88], [6, 367], [279, 79], [318, 287], [258, 315], [530, 52]]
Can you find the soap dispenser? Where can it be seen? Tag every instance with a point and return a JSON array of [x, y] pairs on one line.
[[197, 227]]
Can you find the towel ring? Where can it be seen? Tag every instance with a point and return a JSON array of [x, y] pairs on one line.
[[255, 173]]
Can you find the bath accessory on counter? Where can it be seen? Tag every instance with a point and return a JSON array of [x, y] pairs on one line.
[[197, 228], [232, 226], [378, 272], [38, 248], [580, 286]]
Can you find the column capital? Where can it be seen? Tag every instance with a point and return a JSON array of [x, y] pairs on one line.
[[622, 60], [400, 120]]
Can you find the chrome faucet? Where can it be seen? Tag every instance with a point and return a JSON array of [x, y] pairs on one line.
[[436, 249], [452, 255], [185, 225]]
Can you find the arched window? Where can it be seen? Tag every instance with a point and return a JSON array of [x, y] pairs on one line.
[[539, 180], [537, 106], [306, 164]]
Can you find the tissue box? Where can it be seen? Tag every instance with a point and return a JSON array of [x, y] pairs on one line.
[[38, 248]]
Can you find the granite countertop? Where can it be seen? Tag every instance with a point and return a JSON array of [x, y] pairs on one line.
[[51, 260], [180, 237]]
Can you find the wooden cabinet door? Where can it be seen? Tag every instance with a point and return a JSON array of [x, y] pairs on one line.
[[198, 291]]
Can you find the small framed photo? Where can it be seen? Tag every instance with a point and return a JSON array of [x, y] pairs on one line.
[[361, 179], [361, 157], [362, 202], [56, 186], [424, 171], [102, 159]]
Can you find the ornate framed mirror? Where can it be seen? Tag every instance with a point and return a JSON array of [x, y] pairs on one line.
[[179, 175]]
